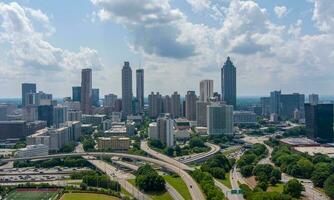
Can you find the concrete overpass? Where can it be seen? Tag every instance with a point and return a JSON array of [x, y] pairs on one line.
[[193, 188]]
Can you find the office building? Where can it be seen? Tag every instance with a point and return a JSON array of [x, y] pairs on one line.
[[319, 122], [153, 131], [190, 107], [165, 130], [118, 105], [59, 116], [265, 106], [244, 117], [126, 89], [45, 113], [229, 83], [96, 97], [275, 102], [93, 119], [206, 90], [175, 105], [72, 105], [154, 105], [76, 93], [30, 113], [86, 91], [55, 138], [32, 151], [109, 100], [290, 103], [27, 88], [140, 89], [313, 99], [166, 104], [220, 119], [13, 129], [201, 113], [115, 143], [74, 115]]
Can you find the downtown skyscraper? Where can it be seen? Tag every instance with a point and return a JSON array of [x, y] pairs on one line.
[[126, 89], [86, 91], [205, 90], [26, 89], [190, 107], [229, 83], [140, 89]]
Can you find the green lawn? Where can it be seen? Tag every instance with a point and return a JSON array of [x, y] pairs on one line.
[[227, 180], [277, 188], [32, 195], [155, 196], [87, 196], [179, 185]]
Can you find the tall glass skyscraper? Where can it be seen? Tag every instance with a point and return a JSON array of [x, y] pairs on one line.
[[126, 89], [140, 89], [229, 83], [86, 91]]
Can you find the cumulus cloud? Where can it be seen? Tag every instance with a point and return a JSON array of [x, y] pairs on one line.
[[29, 49], [155, 26], [281, 11], [323, 15], [199, 5]]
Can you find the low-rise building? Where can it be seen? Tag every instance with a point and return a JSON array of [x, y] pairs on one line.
[[182, 124], [114, 143], [182, 135], [93, 119], [244, 117], [32, 150]]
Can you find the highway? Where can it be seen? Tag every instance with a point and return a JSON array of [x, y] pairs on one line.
[[114, 174], [200, 156], [170, 189], [193, 188]]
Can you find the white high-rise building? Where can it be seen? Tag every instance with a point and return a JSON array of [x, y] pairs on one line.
[[206, 90], [165, 126], [219, 119]]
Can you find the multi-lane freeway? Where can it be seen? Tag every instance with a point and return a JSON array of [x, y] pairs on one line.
[[200, 156]]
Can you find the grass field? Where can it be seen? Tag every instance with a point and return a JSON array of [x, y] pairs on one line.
[[87, 196], [227, 180], [277, 188], [155, 196], [179, 185], [33, 194]]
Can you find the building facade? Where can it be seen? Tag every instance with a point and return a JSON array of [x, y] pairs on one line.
[[190, 107], [154, 105], [175, 105], [26, 89], [127, 89], [229, 83], [220, 119], [319, 122], [76, 93], [206, 90], [86, 91], [140, 89]]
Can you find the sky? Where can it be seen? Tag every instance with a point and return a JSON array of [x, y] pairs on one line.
[[275, 45]]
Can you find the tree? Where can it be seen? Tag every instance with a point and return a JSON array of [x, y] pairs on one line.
[[196, 142], [246, 170], [148, 179], [329, 186], [263, 185], [157, 144], [320, 174], [169, 151], [217, 172], [276, 174], [306, 167], [293, 188], [263, 168]]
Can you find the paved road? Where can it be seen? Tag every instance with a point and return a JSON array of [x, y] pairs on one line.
[[200, 156], [310, 192], [114, 174], [195, 191], [170, 189]]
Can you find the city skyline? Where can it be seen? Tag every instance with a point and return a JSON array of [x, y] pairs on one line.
[[269, 47]]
